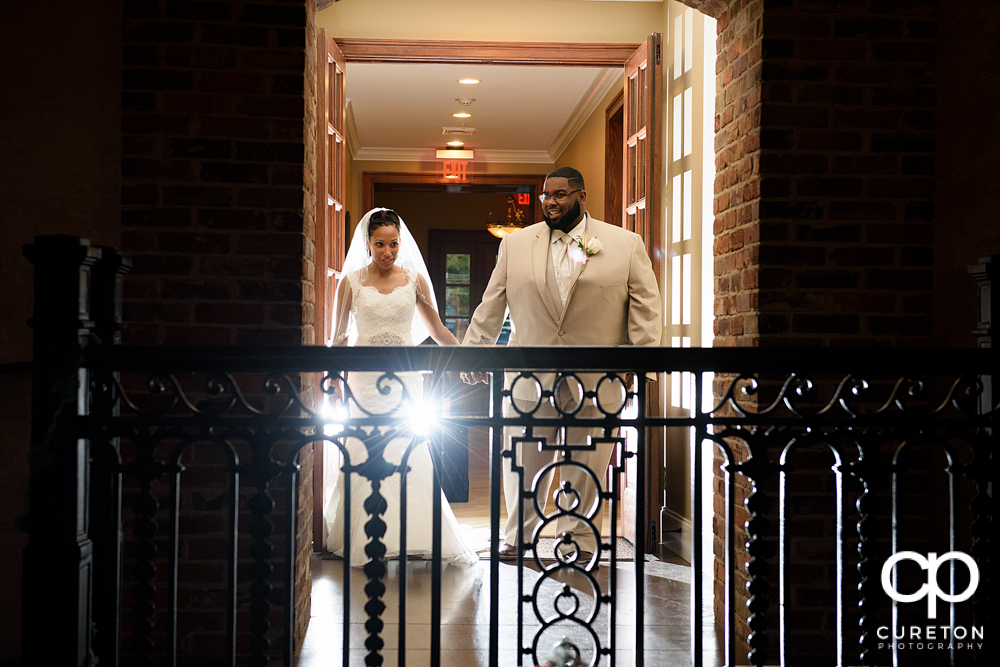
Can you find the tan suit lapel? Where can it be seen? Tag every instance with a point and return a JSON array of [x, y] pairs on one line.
[[541, 267], [578, 269]]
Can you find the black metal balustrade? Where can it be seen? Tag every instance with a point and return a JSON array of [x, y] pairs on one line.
[[112, 420]]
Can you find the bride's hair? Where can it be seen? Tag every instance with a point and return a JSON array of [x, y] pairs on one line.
[[382, 218]]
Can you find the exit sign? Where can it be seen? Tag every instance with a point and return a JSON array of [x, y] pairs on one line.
[[455, 170]]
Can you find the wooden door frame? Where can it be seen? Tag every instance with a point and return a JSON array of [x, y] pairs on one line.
[[439, 51], [613, 159], [539, 54]]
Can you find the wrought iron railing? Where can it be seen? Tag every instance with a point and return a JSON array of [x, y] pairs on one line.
[[114, 420]]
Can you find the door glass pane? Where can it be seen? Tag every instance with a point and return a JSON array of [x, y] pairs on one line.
[[678, 44], [642, 98], [457, 325], [456, 301], [456, 269], [688, 111]]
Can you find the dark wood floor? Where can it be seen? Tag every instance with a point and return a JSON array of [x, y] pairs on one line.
[[466, 607]]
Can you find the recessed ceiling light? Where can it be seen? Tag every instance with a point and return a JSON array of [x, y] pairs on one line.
[[468, 81], [456, 143], [462, 114]]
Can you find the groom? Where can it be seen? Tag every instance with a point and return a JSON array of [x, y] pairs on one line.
[[552, 300]]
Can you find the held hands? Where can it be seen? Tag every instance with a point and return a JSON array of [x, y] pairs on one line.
[[475, 377]]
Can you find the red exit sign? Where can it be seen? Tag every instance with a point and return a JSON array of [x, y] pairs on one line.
[[455, 170], [524, 199]]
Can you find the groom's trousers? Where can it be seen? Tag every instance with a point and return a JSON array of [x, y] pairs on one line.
[[533, 461]]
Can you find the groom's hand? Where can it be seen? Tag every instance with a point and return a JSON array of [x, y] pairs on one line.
[[475, 377]]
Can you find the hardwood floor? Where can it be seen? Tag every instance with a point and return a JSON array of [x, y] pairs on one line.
[[466, 606]]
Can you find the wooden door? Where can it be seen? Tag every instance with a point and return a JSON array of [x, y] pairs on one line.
[[641, 214], [331, 230], [460, 263]]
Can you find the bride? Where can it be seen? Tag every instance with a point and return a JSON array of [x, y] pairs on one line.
[[385, 298]]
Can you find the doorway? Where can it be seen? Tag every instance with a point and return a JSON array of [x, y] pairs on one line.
[[642, 200]]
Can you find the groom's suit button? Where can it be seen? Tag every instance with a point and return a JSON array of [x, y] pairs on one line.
[[562, 333]]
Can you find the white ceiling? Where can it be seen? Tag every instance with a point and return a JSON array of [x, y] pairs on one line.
[[521, 114]]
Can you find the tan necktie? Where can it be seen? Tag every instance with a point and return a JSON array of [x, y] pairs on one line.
[[564, 267]]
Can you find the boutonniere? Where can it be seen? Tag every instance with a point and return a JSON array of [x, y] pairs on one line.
[[584, 248]]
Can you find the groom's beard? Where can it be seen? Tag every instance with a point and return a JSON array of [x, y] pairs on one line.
[[567, 221]]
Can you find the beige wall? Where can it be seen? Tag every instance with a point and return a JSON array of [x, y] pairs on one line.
[[585, 152], [424, 211], [505, 20]]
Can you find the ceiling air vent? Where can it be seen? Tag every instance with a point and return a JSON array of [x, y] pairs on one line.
[[458, 130]]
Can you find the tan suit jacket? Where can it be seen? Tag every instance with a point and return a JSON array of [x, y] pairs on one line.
[[613, 299]]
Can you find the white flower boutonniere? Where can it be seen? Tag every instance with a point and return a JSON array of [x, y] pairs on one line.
[[584, 248]]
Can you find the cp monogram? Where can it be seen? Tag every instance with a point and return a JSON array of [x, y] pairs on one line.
[[930, 590]]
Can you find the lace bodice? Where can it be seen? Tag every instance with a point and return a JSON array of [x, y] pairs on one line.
[[384, 319]]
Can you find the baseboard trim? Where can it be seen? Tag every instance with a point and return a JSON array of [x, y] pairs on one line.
[[678, 541]]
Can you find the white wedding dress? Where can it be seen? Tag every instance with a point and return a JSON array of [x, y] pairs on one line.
[[385, 319]]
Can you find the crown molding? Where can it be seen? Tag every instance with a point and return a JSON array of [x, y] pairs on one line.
[[601, 86], [373, 154], [514, 157]]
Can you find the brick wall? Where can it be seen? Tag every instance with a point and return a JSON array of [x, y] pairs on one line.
[[217, 194], [825, 157], [825, 122], [737, 248], [212, 201]]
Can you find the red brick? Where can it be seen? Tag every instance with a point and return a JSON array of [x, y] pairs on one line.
[[284, 337], [832, 49], [192, 335], [825, 140], [197, 103], [829, 187], [865, 164], [826, 324], [864, 302], [863, 256], [161, 265], [233, 265], [899, 233], [194, 243], [289, 314], [899, 279], [233, 82], [225, 313], [270, 244]]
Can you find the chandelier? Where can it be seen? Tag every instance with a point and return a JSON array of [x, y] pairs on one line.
[[514, 221]]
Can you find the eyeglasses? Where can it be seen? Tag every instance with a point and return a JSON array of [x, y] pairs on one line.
[[558, 195]]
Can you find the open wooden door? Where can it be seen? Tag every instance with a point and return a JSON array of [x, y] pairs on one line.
[[641, 214], [331, 229]]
